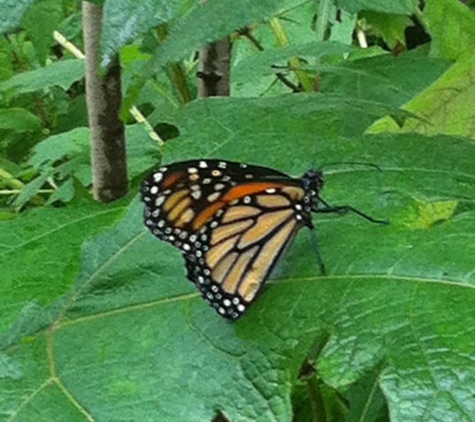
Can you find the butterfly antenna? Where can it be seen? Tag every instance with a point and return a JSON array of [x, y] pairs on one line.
[[353, 163]]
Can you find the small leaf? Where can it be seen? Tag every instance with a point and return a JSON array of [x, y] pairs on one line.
[[391, 28], [425, 214], [50, 14], [61, 73], [19, 120]]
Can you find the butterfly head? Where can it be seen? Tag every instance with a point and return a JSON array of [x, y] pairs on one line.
[[313, 182]]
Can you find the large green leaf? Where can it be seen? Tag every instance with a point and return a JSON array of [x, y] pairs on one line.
[[133, 340], [300, 119]]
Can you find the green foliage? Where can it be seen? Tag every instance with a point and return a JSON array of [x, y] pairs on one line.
[[396, 7], [141, 317], [50, 14], [12, 12], [62, 74], [40, 253], [68, 154], [125, 20], [391, 28], [19, 120], [443, 105], [452, 28], [97, 319]]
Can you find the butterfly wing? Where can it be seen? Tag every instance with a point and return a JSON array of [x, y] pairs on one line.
[[240, 248], [232, 222], [182, 197]]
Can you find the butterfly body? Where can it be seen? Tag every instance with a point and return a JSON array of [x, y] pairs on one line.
[[232, 222]]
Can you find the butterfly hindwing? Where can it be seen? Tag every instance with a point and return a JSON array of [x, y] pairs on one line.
[[239, 249]]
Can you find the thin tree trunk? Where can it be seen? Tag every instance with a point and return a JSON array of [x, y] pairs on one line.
[[104, 96], [214, 68]]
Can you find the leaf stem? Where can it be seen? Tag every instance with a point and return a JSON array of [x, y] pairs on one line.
[[11, 180], [294, 62]]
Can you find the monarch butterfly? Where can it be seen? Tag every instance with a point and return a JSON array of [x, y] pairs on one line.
[[232, 223]]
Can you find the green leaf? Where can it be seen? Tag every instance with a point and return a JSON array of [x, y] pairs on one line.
[[422, 214], [133, 338], [19, 120], [64, 193], [451, 25], [68, 144], [391, 28], [183, 37], [385, 78], [39, 253], [313, 116], [50, 14], [142, 153], [61, 73], [442, 107], [67, 155], [12, 12], [31, 189], [343, 26], [401, 7], [274, 60], [125, 20]]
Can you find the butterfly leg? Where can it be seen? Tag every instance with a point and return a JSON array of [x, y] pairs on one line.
[[314, 240], [344, 209]]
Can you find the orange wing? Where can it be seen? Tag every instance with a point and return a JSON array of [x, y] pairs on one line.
[[232, 222]]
